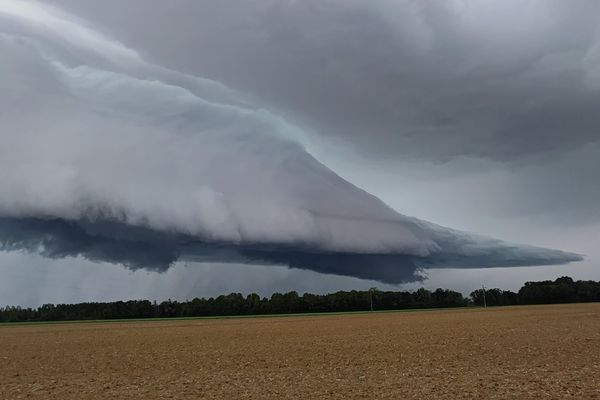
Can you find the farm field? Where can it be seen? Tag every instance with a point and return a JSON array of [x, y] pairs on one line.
[[547, 352]]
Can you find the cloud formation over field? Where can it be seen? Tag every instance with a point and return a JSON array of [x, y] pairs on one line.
[[425, 79], [117, 159], [416, 83]]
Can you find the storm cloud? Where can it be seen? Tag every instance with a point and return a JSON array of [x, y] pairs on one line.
[[113, 158], [411, 85], [422, 79]]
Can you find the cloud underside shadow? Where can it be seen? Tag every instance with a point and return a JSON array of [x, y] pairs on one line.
[[143, 248]]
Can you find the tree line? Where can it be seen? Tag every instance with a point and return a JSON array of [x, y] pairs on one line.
[[562, 290]]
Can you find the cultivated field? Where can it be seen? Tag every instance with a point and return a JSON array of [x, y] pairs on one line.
[[505, 353]]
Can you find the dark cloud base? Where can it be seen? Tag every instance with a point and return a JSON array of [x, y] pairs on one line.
[[143, 248]]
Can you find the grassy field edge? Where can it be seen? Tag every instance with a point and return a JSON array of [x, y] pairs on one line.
[[258, 316], [248, 316]]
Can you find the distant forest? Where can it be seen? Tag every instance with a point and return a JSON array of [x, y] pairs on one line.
[[562, 290]]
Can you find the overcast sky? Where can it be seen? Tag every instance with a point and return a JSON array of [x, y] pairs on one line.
[[478, 115]]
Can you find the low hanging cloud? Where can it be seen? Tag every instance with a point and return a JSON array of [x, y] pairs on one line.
[[109, 157]]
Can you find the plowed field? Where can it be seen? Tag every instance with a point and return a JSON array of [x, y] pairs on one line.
[[541, 352]]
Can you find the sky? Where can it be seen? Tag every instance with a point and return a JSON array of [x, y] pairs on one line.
[[295, 126]]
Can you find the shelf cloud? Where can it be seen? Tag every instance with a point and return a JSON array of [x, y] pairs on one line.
[[110, 157]]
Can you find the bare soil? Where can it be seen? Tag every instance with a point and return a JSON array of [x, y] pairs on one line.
[[541, 352]]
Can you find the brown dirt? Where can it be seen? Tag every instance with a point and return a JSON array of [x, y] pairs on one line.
[[549, 352]]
